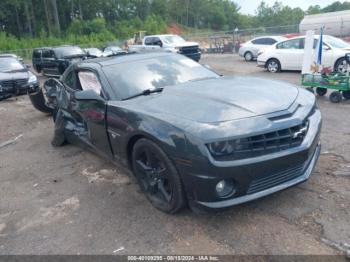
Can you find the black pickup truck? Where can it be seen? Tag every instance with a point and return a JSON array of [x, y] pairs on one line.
[[54, 60]]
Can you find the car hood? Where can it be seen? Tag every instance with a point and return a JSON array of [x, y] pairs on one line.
[[13, 75], [218, 100]]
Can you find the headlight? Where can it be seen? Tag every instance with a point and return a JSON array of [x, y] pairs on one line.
[[221, 148], [32, 78], [260, 53]]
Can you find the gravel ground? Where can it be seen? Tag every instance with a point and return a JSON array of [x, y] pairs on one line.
[[69, 201]]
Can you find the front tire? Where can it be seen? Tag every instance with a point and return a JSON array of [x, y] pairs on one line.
[[248, 56], [273, 65], [59, 139], [341, 66], [38, 101], [157, 176], [335, 97]]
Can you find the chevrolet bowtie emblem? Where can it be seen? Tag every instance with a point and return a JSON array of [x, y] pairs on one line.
[[301, 132]]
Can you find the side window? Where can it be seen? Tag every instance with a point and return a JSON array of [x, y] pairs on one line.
[[270, 41], [48, 53], [69, 80], [292, 44], [88, 80], [259, 41], [149, 41], [264, 41], [157, 41], [37, 53]]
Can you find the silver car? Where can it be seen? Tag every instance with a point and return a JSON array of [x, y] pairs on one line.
[[249, 50]]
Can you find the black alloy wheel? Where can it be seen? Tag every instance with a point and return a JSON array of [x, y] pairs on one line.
[[157, 176]]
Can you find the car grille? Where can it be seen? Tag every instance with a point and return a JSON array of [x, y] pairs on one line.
[[189, 49], [11, 83], [276, 179], [267, 143]]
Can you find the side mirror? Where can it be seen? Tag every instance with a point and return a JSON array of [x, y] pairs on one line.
[[87, 95]]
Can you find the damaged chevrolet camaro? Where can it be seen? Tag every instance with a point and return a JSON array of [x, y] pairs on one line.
[[188, 134]]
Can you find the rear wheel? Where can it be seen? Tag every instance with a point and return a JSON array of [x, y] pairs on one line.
[[321, 91], [335, 97], [346, 94], [38, 69], [38, 101], [248, 56], [157, 176], [273, 66]]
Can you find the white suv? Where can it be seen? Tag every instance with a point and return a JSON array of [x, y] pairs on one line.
[[249, 50], [288, 55]]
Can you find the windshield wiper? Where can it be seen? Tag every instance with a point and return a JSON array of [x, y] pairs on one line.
[[145, 93]]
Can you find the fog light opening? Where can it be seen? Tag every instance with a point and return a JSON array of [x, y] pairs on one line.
[[225, 188]]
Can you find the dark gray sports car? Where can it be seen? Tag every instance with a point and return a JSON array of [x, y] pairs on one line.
[[188, 134]]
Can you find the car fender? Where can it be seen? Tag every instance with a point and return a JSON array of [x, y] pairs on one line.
[[124, 134]]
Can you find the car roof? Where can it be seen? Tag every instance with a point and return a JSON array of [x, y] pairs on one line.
[[159, 35], [54, 47], [270, 36], [131, 57]]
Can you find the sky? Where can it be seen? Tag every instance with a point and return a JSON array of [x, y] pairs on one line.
[[249, 6]]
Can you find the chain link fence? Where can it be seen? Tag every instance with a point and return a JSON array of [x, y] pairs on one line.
[[229, 41], [209, 42]]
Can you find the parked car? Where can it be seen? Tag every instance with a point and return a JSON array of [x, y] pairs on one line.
[[249, 50], [171, 43], [13, 56], [113, 51], [54, 60], [288, 55], [15, 78], [188, 134], [93, 52]]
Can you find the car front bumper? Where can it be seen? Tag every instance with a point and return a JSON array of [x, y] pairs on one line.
[[308, 169], [261, 63], [255, 177], [193, 56], [19, 89]]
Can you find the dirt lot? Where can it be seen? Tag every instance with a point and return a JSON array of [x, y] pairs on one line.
[[69, 201]]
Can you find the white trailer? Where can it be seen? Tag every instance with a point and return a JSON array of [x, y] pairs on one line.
[[335, 23]]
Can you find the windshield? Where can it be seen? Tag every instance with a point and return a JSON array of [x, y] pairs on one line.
[[336, 42], [156, 72], [69, 51], [10, 64], [94, 51], [173, 39]]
